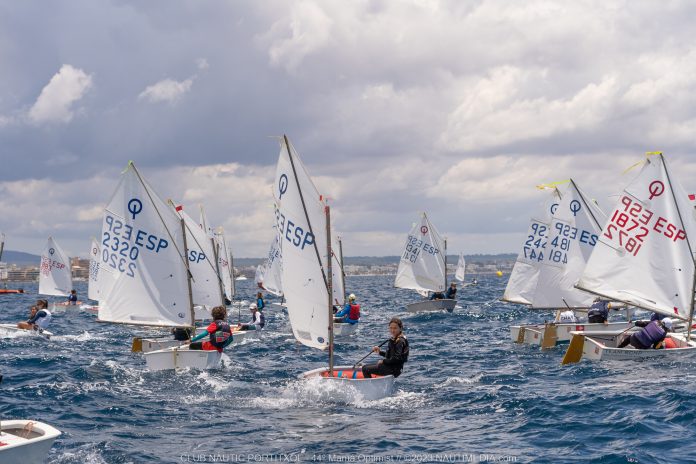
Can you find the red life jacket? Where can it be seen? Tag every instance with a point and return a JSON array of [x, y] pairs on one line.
[[219, 332], [354, 313]]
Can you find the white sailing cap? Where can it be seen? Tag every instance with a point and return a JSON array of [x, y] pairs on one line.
[[253, 306], [667, 322]]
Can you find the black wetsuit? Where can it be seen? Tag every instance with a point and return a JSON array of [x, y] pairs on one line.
[[394, 359]]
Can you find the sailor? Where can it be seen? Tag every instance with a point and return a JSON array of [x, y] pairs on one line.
[[395, 356], [219, 333], [260, 304], [474, 282], [437, 296], [451, 293], [350, 312], [258, 320], [652, 335], [72, 298], [599, 311], [567, 317], [40, 317]]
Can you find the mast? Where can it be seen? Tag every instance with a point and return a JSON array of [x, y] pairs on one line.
[[445, 265], [188, 278], [343, 272], [329, 284], [2, 244], [216, 251], [234, 286]]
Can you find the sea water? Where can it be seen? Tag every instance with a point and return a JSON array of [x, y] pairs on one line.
[[467, 394]]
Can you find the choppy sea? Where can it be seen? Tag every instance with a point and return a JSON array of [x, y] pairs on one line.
[[468, 394]]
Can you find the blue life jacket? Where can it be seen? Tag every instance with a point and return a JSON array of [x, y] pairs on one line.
[[451, 293], [72, 298], [220, 336], [651, 334], [260, 304]]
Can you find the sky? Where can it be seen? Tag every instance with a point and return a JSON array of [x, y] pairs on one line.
[[458, 108]]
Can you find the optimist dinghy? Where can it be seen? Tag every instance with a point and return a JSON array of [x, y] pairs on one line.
[[304, 222], [25, 441], [644, 258], [148, 281], [423, 267], [147, 345], [13, 330]]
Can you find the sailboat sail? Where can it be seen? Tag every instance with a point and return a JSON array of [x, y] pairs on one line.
[[224, 263], [461, 268], [525, 274], [338, 285], [422, 264], [54, 274], [205, 284], [270, 274], [645, 257], [575, 229], [301, 223], [142, 245], [93, 292]]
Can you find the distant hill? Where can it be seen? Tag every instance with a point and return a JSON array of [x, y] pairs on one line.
[[20, 258]]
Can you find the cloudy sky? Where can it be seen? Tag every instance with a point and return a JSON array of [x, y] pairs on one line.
[[458, 108]]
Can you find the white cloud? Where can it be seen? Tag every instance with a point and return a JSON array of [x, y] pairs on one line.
[[305, 31], [202, 63], [167, 90], [55, 103]]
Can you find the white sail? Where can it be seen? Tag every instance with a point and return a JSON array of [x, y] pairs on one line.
[[338, 285], [460, 273], [575, 228], [55, 277], [422, 264], [301, 222], [525, 274], [225, 264], [203, 223], [270, 273], [143, 248], [93, 292], [205, 283], [644, 257]]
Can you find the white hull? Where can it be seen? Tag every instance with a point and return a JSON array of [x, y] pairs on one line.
[[344, 329], [26, 442], [602, 347], [431, 305], [154, 344], [181, 358], [367, 389], [12, 329], [63, 306], [533, 334]]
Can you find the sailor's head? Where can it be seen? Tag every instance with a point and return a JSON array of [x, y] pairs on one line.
[[667, 323], [259, 295], [41, 304], [219, 313], [252, 307], [34, 310], [351, 297], [73, 292], [395, 326], [453, 285]]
